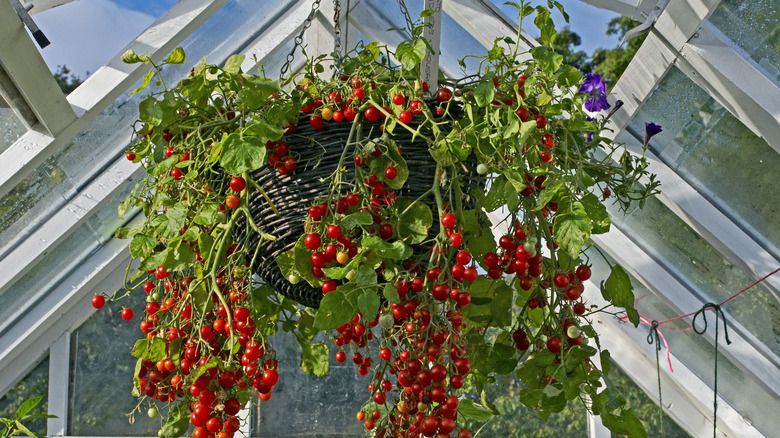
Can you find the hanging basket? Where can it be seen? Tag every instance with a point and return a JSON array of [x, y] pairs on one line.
[[319, 152]]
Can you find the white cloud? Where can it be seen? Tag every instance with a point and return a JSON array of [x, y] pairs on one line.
[[85, 34]]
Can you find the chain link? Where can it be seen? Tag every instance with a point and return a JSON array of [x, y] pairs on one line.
[[299, 39], [337, 32]]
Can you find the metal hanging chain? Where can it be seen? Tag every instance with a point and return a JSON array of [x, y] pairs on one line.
[[299, 39], [337, 32]]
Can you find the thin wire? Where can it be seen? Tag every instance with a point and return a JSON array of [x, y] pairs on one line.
[[337, 40], [726, 300]]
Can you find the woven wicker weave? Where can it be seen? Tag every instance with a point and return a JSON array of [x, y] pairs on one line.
[[292, 194]]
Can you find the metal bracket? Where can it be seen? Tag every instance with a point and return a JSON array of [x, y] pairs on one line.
[[648, 23], [24, 15]]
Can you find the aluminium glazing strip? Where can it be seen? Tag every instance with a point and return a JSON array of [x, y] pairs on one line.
[[25, 66], [102, 88]]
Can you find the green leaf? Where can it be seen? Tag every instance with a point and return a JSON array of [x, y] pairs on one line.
[[177, 422], [241, 155], [150, 110], [233, 63], [27, 406], [391, 294], [396, 250], [410, 56], [366, 276], [153, 261], [484, 93], [569, 76], [208, 215], [24, 429], [368, 303], [624, 423], [477, 233], [502, 192], [176, 57], [302, 258], [597, 213], [475, 411], [130, 57], [314, 358], [173, 221], [336, 308], [503, 358], [619, 291], [572, 229], [426, 13], [414, 220], [391, 157], [548, 60], [286, 263], [180, 257], [501, 305], [142, 245], [351, 221]]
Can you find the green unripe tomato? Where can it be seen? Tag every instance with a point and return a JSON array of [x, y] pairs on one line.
[[351, 275], [573, 331], [386, 320], [153, 413], [293, 278], [482, 168], [156, 296]]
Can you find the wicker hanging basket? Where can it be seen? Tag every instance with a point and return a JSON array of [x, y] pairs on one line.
[[318, 153]]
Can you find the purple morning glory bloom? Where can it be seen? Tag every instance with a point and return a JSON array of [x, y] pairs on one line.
[[618, 104], [651, 129], [596, 88]]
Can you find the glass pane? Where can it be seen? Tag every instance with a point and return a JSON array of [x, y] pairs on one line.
[[36, 383], [102, 376], [656, 424], [518, 421], [698, 354], [25, 206], [664, 235], [61, 261], [306, 405], [715, 153], [11, 128], [754, 25], [45, 275]]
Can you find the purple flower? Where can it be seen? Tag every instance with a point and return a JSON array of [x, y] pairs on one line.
[[651, 129], [596, 88]]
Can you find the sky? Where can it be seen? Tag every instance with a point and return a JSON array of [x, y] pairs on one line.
[[85, 34]]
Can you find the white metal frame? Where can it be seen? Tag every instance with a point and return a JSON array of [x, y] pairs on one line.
[[681, 36]]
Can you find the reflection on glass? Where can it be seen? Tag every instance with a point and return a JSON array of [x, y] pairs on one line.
[[716, 154], [25, 206], [656, 424], [753, 25], [663, 234], [698, 354], [11, 128], [306, 405], [102, 375], [36, 383]]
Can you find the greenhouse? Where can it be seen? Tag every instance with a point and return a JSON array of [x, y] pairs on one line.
[[348, 218]]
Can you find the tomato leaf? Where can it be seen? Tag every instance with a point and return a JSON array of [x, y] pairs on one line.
[[484, 93], [475, 411], [572, 229], [172, 221], [286, 263], [501, 304], [142, 245], [177, 422], [153, 261], [240, 155], [350, 221], [477, 234], [336, 308], [149, 109], [233, 63], [314, 358], [368, 303], [619, 291], [414, 220], [180, 256], [27, 406], [396, 250], [597, 213], [391, 294]]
